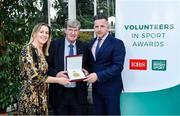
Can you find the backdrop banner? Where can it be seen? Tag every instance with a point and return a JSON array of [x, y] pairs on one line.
[[150, 30]]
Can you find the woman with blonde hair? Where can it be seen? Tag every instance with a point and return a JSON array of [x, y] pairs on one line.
[[33, 95]]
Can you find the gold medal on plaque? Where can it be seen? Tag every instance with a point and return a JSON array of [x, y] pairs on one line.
[[75, 74]]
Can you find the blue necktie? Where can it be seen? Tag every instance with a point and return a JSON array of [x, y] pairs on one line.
[[98, 47], [71, 51]]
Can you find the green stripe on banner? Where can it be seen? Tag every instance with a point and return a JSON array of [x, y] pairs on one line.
[[162, 102]]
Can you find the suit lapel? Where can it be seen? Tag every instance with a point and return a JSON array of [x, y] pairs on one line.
[[79, 47], [62, 46], [103, 46], [61, 51]]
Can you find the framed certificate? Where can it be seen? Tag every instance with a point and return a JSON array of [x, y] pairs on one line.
[[74, 68]]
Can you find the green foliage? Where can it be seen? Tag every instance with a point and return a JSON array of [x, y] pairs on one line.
[[62, 11], [56, 32], [18, 18], [86, 21], [9, 75], [85, 7], [86, 36]]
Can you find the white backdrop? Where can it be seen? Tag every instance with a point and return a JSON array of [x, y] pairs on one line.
[[150, 30]]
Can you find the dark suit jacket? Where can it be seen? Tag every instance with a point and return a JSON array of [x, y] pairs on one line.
[[108, 66], [56, 63]]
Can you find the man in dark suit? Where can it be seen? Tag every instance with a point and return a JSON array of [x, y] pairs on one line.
[[71, 98], [106, 59]]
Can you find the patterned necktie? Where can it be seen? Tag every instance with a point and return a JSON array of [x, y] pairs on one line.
[[71, 51], [98, 46]]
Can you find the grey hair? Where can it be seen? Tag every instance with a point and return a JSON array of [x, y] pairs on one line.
[[72, 23]]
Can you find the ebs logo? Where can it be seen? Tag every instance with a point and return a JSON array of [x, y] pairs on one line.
[[137, 64]]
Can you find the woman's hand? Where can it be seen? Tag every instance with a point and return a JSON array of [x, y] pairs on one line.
[[62, 74], [63, 80]]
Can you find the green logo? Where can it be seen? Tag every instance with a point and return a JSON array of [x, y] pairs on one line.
[[159, 65]]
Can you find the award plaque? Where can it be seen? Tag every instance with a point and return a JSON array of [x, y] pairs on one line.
[[74, 68]]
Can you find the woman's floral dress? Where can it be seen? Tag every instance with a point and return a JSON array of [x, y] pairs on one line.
[[33, 95]]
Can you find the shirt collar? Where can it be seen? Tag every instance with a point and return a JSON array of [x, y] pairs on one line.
[[67, 42], [104, 36]]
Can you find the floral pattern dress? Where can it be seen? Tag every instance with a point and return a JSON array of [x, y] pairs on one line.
[[33, 95]]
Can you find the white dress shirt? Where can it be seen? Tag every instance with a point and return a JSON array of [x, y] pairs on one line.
[[93, 49]]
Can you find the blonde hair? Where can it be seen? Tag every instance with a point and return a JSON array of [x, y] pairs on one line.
[[36, 29]]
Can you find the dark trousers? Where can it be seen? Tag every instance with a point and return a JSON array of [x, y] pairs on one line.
[[69, 104], [106, 105]]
